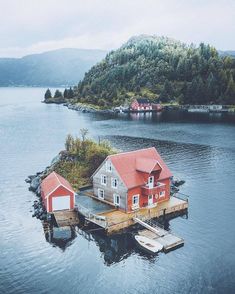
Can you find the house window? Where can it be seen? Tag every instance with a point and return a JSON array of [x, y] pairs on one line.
[[114, 183], [162, 194], [135, 200], [101, 193], [116, 199], [108, 166], [103, 180]]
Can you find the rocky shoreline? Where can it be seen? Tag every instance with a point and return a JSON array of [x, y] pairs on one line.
[[87, 108], [34, 182], [81, 107]]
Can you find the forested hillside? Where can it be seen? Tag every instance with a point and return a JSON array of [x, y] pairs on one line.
[[53, 68], [160, 68]]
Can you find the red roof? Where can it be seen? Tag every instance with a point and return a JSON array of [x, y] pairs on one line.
[[53, 181], [131, 166]]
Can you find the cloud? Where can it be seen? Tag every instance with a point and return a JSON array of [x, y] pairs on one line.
[[41, 25]]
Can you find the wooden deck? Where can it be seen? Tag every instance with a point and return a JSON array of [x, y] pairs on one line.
[[118, 220], [66, 218]]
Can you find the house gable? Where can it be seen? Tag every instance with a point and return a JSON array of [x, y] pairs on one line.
[[108, 188]]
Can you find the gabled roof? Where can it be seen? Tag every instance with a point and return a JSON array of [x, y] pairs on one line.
[[142, 100], [52, 182], [147, 165], [131, 166]]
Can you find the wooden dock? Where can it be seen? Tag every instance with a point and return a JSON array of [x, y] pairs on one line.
[[156, 232], [169, 241], [118, 220], [66, 218]]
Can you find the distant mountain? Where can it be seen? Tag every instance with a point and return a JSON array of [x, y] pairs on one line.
[[227, 53], [61, 67], [160, 68]]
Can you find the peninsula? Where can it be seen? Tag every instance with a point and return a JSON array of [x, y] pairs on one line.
[[159, 69]]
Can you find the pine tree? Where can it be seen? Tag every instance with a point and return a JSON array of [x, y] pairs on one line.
[[47, 94], [65, 93], [57, 94], [70, 93], [230, 91]]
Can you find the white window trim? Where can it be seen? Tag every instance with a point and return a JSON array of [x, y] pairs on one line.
[[112, 179], [136, 205], [114, 199], [108, 166], [163, 195], [101, 180], [99, 190], [138, 196]]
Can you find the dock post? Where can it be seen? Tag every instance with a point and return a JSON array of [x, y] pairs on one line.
[[164, 214]]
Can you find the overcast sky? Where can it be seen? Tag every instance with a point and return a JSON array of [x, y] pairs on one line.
[[32, 26]]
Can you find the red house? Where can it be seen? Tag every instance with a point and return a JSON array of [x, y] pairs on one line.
[[57, 193], [141, 104], [133, 180]]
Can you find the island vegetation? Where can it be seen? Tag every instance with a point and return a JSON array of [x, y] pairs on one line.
[[81, 157], [162, 69]]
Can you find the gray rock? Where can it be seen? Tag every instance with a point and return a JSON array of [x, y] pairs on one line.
[[38, 191], [35, 184]]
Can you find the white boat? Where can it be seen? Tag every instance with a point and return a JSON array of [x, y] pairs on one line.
[[148, 245]]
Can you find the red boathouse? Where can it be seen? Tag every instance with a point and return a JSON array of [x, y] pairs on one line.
[[141, 104], [57, 193]]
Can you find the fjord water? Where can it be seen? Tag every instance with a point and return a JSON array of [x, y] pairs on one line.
[[198, 148]]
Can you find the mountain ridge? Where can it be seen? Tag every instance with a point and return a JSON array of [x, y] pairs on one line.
[[61, 67]]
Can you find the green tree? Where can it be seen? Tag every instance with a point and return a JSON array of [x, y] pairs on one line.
[[65, 93], [70, 93], [167, 92], [230, 91], [58, 94], [47, 94], [83, 133]]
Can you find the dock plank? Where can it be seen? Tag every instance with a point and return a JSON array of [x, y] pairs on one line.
[[66, 218]]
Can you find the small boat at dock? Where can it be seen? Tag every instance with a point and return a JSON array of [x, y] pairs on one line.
[[148, 245]]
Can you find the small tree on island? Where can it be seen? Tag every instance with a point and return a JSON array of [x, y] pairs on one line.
[[84, 133], [47, 94], [69, 143]]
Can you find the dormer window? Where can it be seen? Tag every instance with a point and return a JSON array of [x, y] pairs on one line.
[[108, 166]]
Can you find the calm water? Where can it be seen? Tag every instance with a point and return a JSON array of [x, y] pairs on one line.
[[203, 154]]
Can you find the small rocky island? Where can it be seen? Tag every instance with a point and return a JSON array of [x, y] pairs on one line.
[[76, 163]]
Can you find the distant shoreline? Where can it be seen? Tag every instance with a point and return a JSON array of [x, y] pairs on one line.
[[83, 107]]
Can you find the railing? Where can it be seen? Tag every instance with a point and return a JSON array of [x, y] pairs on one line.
[[153, 190], [180, 196], [97, 219], [135, 206]]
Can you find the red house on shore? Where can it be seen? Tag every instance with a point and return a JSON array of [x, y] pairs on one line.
[[141, 104], [57, 194], [133, 180]]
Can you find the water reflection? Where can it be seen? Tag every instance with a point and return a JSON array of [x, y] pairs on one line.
[[61, 237], [141, 116], [114, 248]]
